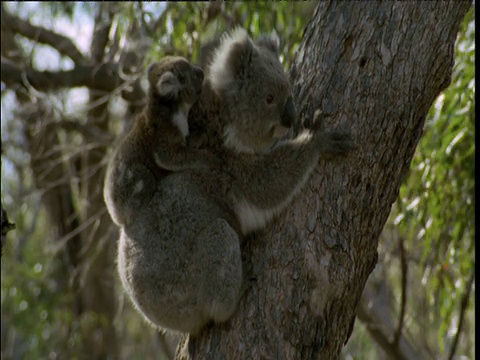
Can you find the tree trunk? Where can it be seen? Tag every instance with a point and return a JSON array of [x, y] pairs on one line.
[[375, 68], [97, 281]]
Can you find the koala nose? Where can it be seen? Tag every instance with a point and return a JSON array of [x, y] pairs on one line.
[[198, 73], [289, 113]]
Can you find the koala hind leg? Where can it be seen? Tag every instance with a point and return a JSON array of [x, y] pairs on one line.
[[219, 246]]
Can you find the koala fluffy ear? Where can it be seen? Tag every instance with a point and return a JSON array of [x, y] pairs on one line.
[[270, 42], [231, 59], [168, 85]]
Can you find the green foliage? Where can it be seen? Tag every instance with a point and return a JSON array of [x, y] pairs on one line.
[[187, 26], [38, 319], [436, 207]]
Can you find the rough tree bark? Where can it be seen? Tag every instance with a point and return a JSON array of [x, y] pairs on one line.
[[376, 68]]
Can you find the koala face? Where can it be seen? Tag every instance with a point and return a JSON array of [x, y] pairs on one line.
[[174, 79], [254, 91]]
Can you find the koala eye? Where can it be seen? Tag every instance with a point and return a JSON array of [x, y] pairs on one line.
[[269, 99]]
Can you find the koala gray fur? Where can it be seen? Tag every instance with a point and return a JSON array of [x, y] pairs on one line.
[[156, 143], [181, 261]]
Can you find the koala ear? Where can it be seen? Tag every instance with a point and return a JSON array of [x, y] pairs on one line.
[[270, 42], [168, 85], [240, 57], [231, 59]]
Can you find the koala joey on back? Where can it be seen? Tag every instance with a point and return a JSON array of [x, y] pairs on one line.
[[181, 262], [156, 143]]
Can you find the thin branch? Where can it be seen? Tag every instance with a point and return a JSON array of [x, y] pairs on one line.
[[374, 312], [61, 242], [142, 15], [91, 134], [161, 21], [59, 42], [377, 334], [81, 75], [403, 264], [461, 316], [101, 31], [104, 78]]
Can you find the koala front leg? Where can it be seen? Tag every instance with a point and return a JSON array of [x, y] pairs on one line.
[[180, 157], [265, 184]]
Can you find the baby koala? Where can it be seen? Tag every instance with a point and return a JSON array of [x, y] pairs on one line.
[[156, 143]]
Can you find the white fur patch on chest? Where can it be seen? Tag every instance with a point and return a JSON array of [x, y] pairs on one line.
[[180, 121], [232, 141], [252, 218]]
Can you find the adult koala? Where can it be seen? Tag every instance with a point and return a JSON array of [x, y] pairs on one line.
[[180, 262]]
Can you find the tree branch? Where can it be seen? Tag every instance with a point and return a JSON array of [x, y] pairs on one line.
[[375, 315], [101, 30], [105, 77], [91, 134], [59, 42], [100, 78], [403, 264], [461, 316], [377, 334], [161, 21]]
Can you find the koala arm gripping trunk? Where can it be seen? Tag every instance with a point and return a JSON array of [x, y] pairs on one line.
[[265, 184]]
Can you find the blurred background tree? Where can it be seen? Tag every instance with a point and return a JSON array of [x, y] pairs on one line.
[[72, 81]]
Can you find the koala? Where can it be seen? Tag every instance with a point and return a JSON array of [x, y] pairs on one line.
[[156, 144], [180, 262]]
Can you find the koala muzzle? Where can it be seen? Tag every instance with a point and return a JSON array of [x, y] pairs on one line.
[[289, 113]]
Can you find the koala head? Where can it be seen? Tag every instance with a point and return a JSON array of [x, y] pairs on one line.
[[174, 79], [255, 97]]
